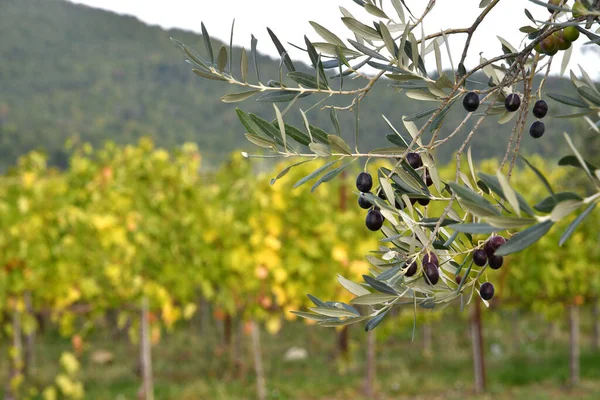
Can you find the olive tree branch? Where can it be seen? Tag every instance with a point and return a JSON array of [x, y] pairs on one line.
[[471, 30]]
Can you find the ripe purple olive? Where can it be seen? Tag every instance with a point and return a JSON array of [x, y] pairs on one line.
[[540, 109], [432, 273], [374, 220], [428, 180], [471, 101], [423, 202], [537, 129], [512, 102], [431, 258], [414, 160], [381, 194], [487, 291], [364, 182], [495, 262], [458, 279], [479, 257], [364, 203], [492, 244], [411, 270]]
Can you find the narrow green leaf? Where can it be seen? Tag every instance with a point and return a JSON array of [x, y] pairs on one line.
[[361, 29], [493, 183], [320, 149], [384, 276], [207, 43], [330, 175], [509, 193], [573, 161], [388, 40], [332, 323], [237, 97], [467, 194], [281, 126], [564, 208], [231, 45], [266, 128], [280, 96], [379, 286], [334, 120], [208, 75], [399, 10], [421, 114], [372, 324], [589, 94], [311, 316], [337, 144], [287, 169], [565, 60], [524, 239], [319, 134], [376, 11], [573, 225], [333, 312], [372, 299], [502, 222], [296, 134], [247, 122], [306, 80], [582, 162], [353, 287], [571, 101], [327, 35], [253, 44], [366, 50], [244, 65], [538, 174], [548, 204], [282, 52], [261, 141], [474, 228]]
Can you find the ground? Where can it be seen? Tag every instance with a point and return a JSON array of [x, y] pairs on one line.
[[190, 363]]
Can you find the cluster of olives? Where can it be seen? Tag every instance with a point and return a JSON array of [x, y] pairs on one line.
[[540, 109], [431, 269], [364, 183], [512, 104], [484, 256], [471, 102], [560, 40]]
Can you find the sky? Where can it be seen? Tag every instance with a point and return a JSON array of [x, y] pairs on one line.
[[289, 20]]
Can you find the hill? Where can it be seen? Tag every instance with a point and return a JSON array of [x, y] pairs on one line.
[[72, 71]]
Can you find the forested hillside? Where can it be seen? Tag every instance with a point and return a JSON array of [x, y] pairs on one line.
[[72, 71]]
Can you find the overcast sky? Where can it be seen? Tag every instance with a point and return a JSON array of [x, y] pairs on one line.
[[289, 20]]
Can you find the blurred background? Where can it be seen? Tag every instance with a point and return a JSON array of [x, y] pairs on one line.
[[141, 255]]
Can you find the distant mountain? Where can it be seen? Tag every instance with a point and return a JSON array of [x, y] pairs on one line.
[[68, 71]]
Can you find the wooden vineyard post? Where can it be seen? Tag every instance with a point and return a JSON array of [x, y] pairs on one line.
[[29, 366], [371, 366], [477, 343], [574, 344], [16, 364], [147, 391], [261, 387]]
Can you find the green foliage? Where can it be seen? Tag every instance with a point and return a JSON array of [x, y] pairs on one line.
[[123, 80]]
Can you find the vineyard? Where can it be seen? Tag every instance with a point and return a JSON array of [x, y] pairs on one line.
[[143, 241], [348, 249]]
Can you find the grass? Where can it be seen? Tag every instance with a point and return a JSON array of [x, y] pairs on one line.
[[191, 364]]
